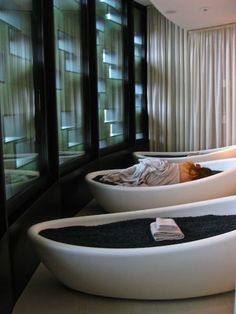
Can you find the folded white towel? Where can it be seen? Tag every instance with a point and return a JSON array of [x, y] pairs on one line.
[[165, 229]]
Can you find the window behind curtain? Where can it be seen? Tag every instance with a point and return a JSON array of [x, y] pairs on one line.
[[17, 101], [110, 63], [69, 77]]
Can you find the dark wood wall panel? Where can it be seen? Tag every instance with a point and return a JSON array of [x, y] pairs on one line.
[[6, 291], [23, 257], [61, 190]]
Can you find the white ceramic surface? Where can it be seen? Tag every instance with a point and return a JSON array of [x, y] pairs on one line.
[[195, 156], [186, 270], [114, 198]]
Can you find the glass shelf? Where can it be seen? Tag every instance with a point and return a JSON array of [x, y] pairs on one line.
[[75, 137], [112, 3], [69, 69], [101, 86], [72, 63], [139, 58], [116, 18], [111, 71], [65, 42], [138, 89], [100, 25], [115, 73], [14, 127], [8, 139], [110, 115], [108, 57], [138, 40], [138, 51], [116, 129], [67, 120], [23, 161]]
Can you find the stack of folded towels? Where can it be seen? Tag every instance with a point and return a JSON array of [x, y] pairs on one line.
[[165, 229]]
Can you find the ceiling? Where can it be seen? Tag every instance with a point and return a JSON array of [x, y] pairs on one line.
[[194, 14], [188, 14], [144, 2]]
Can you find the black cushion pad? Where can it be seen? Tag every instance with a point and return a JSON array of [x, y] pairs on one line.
[[136, 233]]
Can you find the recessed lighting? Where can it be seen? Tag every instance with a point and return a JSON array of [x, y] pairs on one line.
[[204, 9]]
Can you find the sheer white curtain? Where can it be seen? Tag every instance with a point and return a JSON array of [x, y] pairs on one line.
[[212, 58], [191, 86]]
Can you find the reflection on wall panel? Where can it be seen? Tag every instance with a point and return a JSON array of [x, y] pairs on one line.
[[69, 79], [17, 99], [139, 58], [109, 23]]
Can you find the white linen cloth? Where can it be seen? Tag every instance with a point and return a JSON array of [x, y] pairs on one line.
[[148, 172], [165, 229]]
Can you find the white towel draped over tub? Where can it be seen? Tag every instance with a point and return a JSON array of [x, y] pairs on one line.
[[148, 172], [165, 229]]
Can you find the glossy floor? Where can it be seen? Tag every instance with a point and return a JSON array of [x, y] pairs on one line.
[[45, 295]]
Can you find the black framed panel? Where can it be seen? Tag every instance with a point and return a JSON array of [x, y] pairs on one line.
[[60, 189], [6, 288], [140, 75]]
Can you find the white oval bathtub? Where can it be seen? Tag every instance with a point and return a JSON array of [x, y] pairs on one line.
[[195, 156], [185, 270], [114, 198]]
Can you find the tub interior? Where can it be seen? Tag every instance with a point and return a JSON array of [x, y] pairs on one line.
[[136, 233]]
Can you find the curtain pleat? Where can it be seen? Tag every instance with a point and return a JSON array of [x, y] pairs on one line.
[[191, 86]]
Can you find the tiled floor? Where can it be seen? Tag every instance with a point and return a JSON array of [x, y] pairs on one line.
[[45, 295]]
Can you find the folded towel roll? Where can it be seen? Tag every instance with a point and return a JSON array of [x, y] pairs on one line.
[[165, 229]]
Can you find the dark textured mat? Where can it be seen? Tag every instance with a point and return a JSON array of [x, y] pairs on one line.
[[136, 233]]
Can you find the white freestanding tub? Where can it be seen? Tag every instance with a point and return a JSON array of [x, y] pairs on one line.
[[195, 156], [185, 270], [115, 198]]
